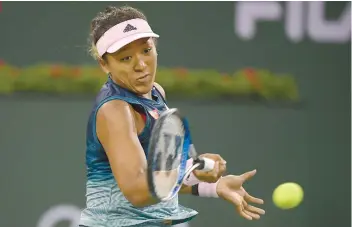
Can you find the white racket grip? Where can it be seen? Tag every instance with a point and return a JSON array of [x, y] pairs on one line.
[[191, 179], [208, 164]]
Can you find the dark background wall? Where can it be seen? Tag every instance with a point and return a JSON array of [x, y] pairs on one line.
[[42, 137]]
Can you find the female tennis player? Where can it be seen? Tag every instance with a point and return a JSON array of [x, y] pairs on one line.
[[118, 133]]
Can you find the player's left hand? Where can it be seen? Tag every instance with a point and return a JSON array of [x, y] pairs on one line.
[[214, 175], [230, 189]]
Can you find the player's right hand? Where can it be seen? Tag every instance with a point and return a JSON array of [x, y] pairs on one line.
[[215, 174]]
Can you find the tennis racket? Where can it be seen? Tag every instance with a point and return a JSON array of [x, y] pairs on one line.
[[170, 146]]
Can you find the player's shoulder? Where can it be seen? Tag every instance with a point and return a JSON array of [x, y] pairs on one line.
[[160, 89], [115, 108]]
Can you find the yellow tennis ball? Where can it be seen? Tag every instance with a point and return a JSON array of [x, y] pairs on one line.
[[288, 195]]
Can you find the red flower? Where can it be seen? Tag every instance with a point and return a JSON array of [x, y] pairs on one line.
[[249, 71], [76, 72], [56, 71], [2, 62], [251, 75], [181, 72]]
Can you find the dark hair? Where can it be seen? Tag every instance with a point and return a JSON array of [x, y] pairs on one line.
[[105, 20]]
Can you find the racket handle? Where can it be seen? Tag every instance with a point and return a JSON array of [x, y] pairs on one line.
[[206, 164]]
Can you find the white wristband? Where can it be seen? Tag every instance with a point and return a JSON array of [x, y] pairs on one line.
[[208, 190], [191, 179]]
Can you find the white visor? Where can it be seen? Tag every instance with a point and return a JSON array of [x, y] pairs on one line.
[[122, 34]]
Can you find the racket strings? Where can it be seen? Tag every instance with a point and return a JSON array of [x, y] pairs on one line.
[[169, 155]]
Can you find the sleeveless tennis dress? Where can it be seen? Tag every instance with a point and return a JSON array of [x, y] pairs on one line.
[[106, 206]]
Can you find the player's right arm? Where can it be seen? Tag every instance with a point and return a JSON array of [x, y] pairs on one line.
[[116, 130]]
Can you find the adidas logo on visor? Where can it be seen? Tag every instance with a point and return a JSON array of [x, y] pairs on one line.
[[129, 28]]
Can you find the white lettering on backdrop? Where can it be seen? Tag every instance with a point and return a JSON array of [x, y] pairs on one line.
[[300, 19]]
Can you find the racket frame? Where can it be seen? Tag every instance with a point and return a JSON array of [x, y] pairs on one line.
[[151, 155], [188, 150]]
